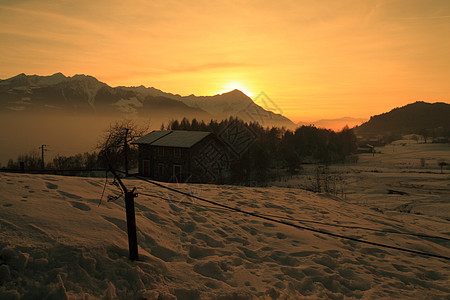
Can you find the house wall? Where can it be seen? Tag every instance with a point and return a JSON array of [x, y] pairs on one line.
[[162, 160], [206, 161]]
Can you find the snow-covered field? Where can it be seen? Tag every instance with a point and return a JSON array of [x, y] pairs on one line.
[[409, 170], [56, 242]]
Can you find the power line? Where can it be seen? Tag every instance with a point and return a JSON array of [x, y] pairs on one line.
[[186, 202], [359, 227], [291, 224], [310, 221]]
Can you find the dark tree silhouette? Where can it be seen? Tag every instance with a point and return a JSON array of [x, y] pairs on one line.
[[116, 142], [425, 133]]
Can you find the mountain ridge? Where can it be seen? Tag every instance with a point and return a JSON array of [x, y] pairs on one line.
[[85, 94], [336, 123], [413, 118]]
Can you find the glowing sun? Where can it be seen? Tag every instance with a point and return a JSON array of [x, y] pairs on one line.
[[237, 85]]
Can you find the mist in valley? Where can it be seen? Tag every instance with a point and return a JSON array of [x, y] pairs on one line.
[[63, 135]]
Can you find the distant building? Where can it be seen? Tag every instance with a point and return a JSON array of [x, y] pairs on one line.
[[183, 156]]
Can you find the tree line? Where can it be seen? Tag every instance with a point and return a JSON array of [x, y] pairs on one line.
[[278, 148], [81, 161]]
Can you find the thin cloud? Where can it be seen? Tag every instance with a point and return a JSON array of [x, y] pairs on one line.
[[40, 36], [210, 66], [425, 18], [60, 18]]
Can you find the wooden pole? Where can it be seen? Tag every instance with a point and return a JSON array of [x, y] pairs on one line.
[[131, 218], [131, 225], [42, 155], [125, 150]]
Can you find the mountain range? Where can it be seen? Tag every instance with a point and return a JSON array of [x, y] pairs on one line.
[[85, 95], [335, 124]]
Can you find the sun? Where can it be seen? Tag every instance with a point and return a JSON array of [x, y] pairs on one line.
[[237, 85]]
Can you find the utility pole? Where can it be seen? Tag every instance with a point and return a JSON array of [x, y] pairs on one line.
[[125, 151], [42, 147]]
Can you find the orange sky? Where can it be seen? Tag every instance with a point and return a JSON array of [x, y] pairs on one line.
[[315, 59]]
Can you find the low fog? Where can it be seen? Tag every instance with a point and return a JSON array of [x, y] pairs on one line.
[[64, 135]]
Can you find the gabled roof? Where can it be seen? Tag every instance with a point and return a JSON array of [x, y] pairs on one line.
[[151, 137], [172, 138]]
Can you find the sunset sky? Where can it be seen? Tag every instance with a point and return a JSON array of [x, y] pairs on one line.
[[315, 59]]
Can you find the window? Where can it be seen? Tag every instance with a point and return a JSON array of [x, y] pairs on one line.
[[160, 170]]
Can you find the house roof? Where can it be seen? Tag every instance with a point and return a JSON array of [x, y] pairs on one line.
[[151, 137], [172, 138]]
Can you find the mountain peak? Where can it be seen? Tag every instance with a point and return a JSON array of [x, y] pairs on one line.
[[235, 92], [21, 75], [59, 74], [82, 76]]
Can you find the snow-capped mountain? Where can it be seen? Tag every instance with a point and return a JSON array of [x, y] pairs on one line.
[[82, 94]]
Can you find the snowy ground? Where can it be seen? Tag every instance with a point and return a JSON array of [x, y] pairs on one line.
[[57, 242], [415, 189]]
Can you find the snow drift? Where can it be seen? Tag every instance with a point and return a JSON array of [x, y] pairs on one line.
[[57, 242]]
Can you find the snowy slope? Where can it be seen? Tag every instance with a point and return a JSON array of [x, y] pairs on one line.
[[57, 242]]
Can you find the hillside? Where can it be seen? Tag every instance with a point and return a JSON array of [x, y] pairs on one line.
[[412, 118], [85, 95], [56, 241]]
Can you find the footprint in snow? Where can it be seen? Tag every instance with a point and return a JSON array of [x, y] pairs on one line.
[[69, 195], [51, 186], [281, 235], [95, 183], [121, 224], [210, 241], [80, 206]]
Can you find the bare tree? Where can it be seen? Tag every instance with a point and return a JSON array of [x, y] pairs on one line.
[[115, 140]]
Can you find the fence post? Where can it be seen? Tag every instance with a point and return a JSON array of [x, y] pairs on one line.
[[131, 218], [131, 224]]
